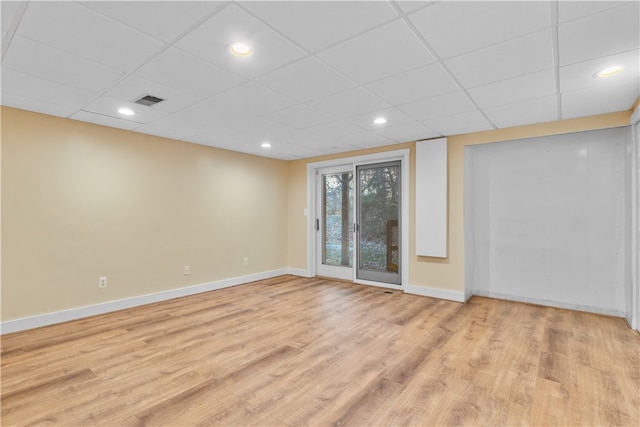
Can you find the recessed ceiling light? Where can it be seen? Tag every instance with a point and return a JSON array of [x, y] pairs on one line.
[[126, 112], [241, 49], [609, 71], [265, 145], [380, 120]]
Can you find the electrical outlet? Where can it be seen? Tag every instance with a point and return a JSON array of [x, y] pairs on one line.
[[186, 270], [102, 281], [245, 261]]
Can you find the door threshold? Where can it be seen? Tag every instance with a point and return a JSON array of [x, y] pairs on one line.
[[378, 284]]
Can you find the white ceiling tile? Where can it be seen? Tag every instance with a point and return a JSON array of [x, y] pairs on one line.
[[209, 111], [308, 105], [618, 96], [293, 145], [41, 61], [247, 148], [8, 11], [363, 140], [228, 112], [250, 99], [261, 128], [187, 121], [581, 75], [517, 57], [219, 137], [407, 132], [408, 6], [176, 126], [284, 151], [570, 10], [523, 113], [382, 52], [168, 20], [100, 119], [470, 121], [439, 106], [299, 116], [333, 146], [423, 82], [109, 107], [38, 106], [73, 28], [606, 33], [43, 90], [456, 27], [211, 41], [165, 130], [393, 116], [306, 80], [316, 25], [334, 129], [232, 145], [350, 103], [517, 89], [184, 72], [133, 88], [303, 138]]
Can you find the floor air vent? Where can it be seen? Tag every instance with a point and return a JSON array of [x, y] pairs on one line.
[[382, 291], [148, 100]]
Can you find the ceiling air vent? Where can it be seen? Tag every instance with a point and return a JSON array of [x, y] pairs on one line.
[[148, 100]]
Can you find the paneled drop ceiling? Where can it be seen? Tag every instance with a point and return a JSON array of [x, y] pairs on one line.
[[321, 71]]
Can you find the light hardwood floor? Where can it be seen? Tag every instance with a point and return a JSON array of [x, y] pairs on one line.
[[292, 351]]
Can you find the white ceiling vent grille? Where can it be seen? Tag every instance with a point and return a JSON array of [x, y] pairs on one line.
[[148, 100]]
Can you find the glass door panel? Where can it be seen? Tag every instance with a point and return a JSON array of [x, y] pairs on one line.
[[334, 223], [378, 200], [337, 236]]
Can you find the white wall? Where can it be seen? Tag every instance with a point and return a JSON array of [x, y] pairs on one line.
[[629, 226], [633, 305], [431, 198], [636, 228], [545, 220]]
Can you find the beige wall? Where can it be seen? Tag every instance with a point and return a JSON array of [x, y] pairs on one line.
[[448, 273], [81, 201]]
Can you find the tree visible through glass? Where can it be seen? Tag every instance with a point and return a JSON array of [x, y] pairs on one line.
[[379, 199], [337, 219]]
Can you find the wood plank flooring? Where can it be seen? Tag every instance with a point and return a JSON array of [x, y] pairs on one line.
[[293, 351]]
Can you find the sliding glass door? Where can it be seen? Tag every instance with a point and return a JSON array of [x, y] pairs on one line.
[[357, 223]]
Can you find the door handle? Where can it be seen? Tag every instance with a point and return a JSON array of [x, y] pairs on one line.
[[317, 224]]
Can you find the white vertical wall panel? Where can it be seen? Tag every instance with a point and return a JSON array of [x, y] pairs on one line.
[[545, 220], [431, 198]]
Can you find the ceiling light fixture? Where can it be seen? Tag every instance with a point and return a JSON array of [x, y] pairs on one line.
[[241, 49], [265, 145], [126, 112], [380, 120], [609, 71]]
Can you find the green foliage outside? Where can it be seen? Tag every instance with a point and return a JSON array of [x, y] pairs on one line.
[[379, 204]]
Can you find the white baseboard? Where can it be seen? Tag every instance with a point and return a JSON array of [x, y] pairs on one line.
[[435, 293], [298, 272], [106, 307]]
